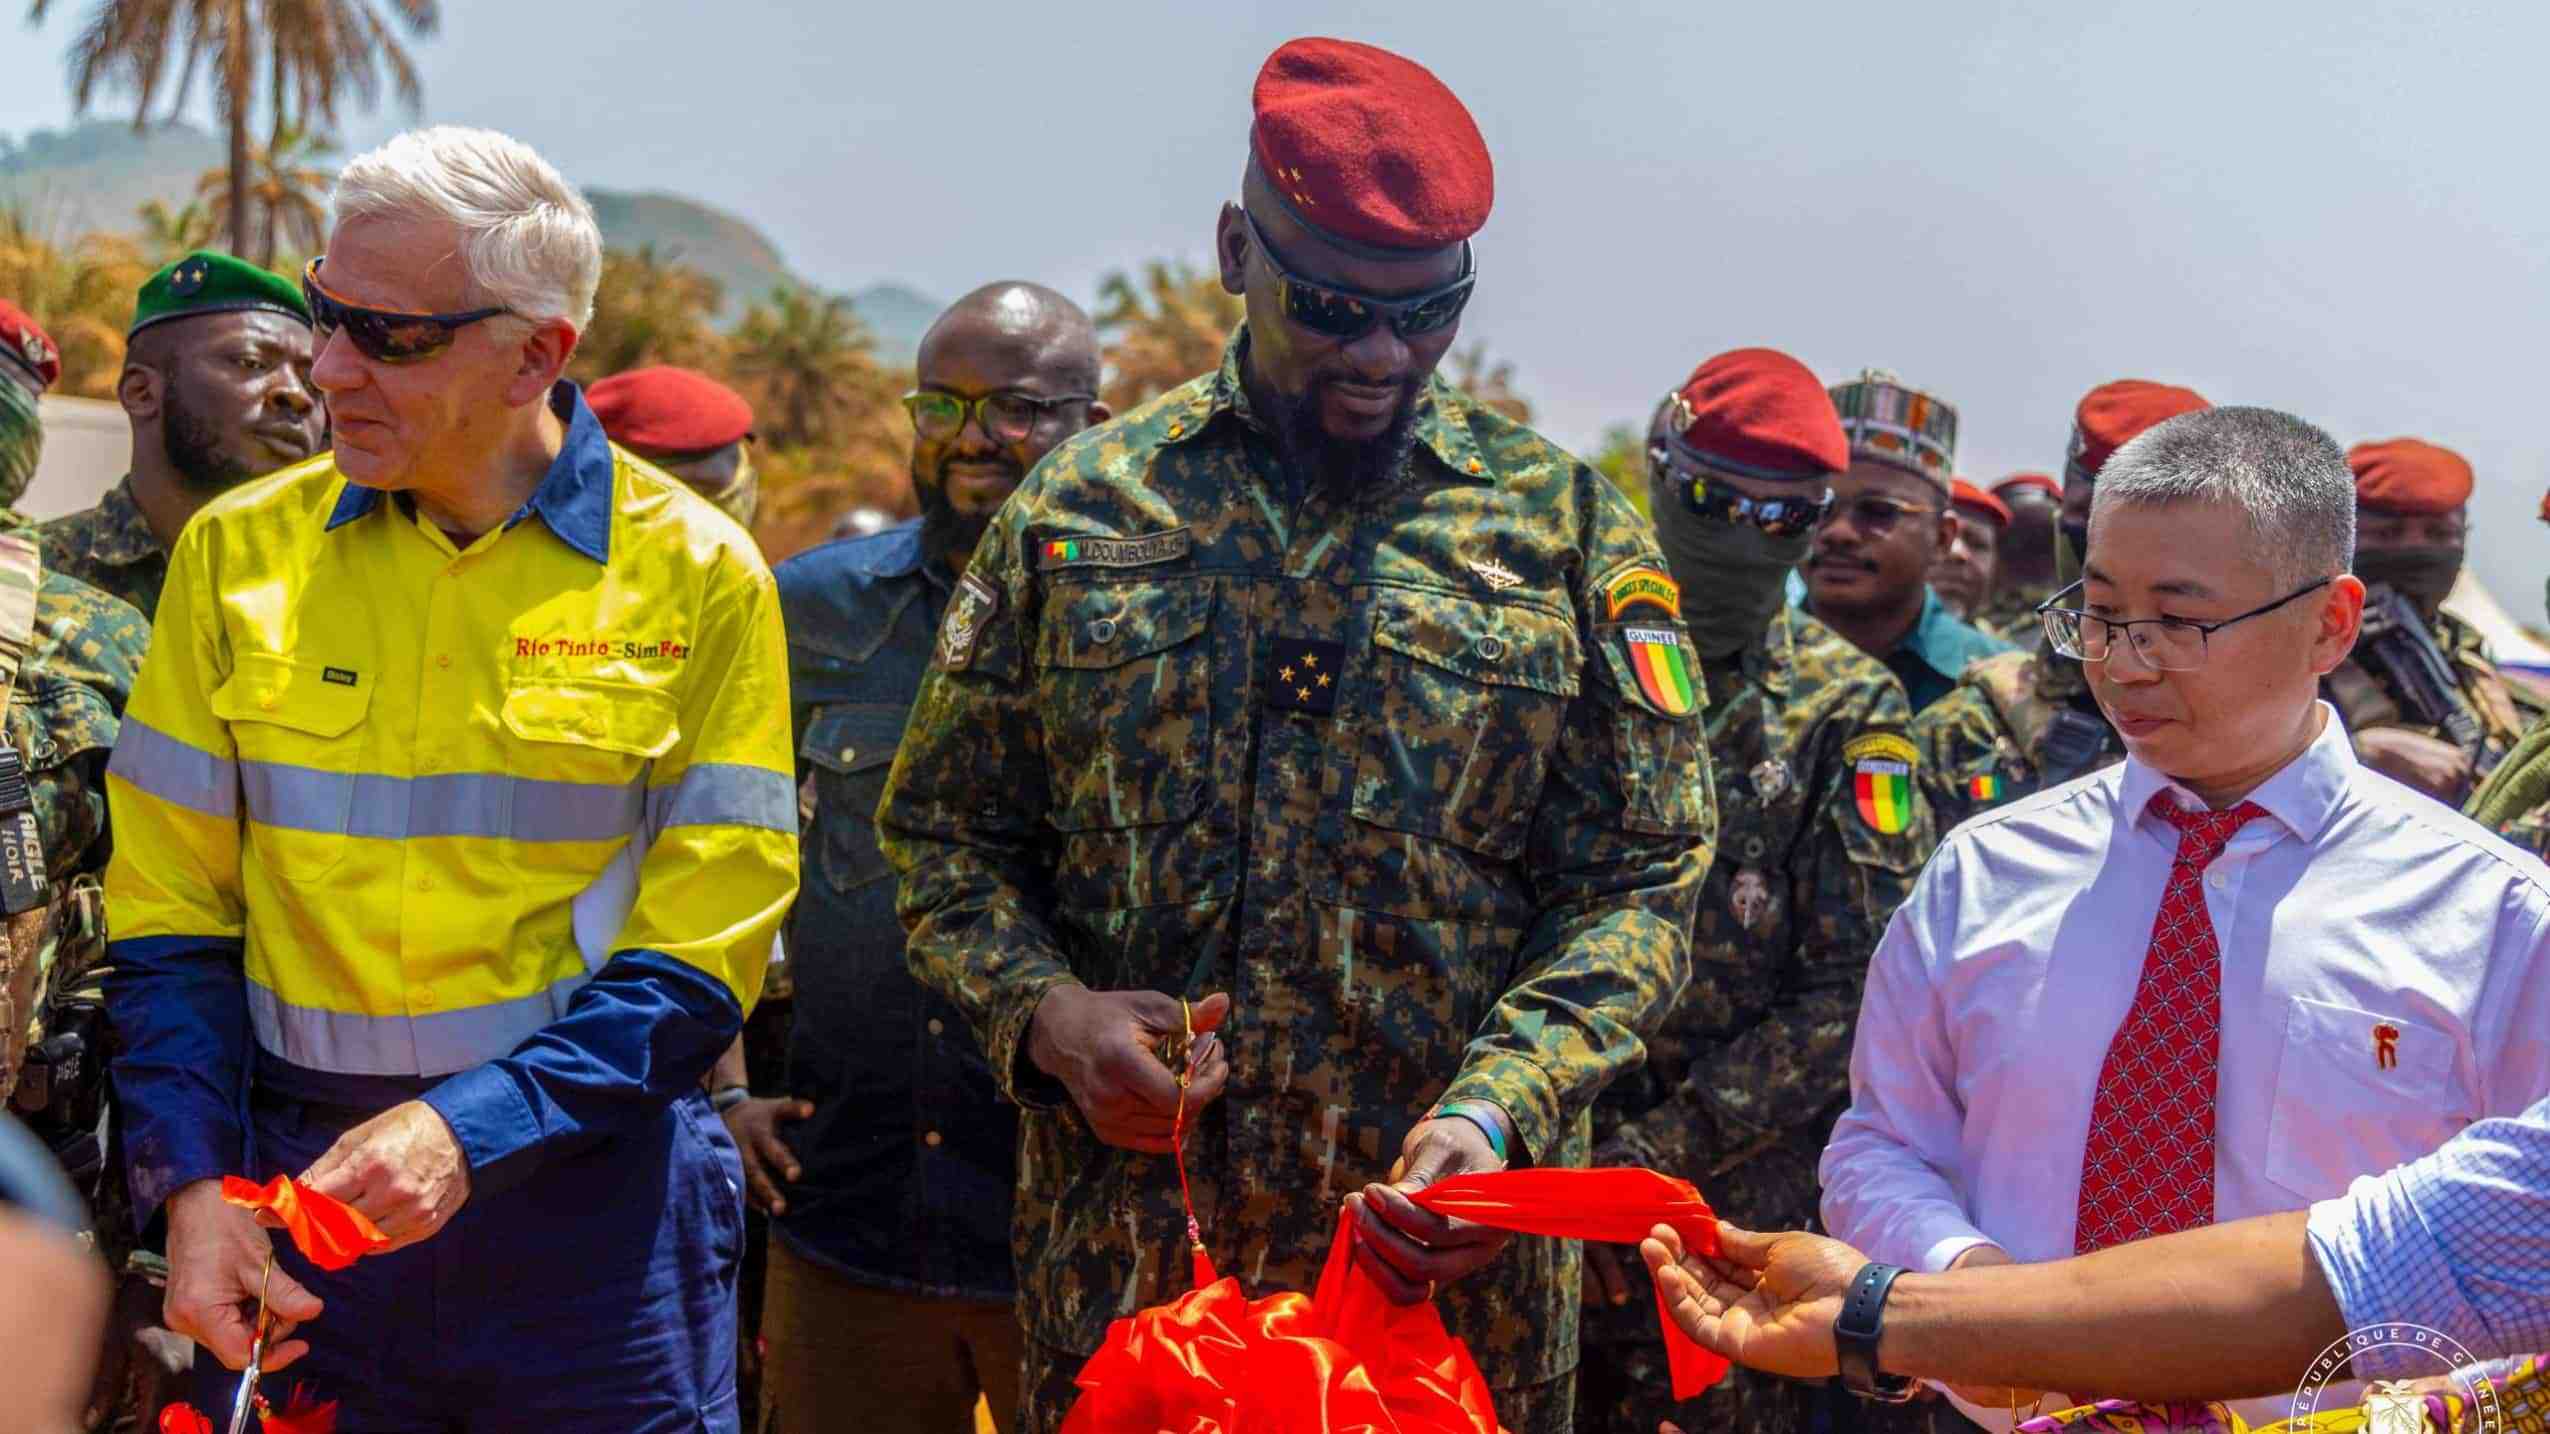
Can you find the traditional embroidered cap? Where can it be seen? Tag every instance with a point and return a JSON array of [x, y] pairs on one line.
[[2409, 477], [2045, 483], [1975, 502], [26, 344], [208, 283], [669, 410], [2113, 414], [1889, 422], [1757, 413], [1370, 147]]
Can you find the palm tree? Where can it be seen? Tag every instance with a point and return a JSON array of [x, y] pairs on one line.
[[170, 233], [287, 186], [649, 308], [318, 50], [812, 361], [1162, 329]]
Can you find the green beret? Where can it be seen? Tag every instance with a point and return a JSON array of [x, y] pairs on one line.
[[208, 283]]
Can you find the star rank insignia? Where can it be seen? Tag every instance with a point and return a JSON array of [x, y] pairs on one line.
[[1304, 674], [189, 277]]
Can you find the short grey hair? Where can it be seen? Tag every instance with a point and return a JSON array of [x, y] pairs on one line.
[[527, 237], [2289, 478]]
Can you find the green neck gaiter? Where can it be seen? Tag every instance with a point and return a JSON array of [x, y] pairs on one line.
[[2423, 575], [21, 441], [1734, 577]]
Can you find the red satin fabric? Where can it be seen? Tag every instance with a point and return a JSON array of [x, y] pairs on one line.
[[329, 1233], [1345, 1360], [184, 1419]]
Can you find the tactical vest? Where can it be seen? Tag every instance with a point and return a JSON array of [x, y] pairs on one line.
[[23, 890], [2057, 740]]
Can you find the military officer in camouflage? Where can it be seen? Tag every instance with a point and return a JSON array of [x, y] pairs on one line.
[[216, 385], [1821, 832], [1318, 695], [68, 654], [2019, 721], [2024, 568], [2421, 694]]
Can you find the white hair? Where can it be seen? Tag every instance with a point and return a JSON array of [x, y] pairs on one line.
[[2289, 479], [528, 239]]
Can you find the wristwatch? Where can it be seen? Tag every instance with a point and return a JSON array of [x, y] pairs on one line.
[[727, 1097], [1855, 1333]]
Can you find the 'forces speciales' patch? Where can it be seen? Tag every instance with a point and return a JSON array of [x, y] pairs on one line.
[[1641, 587], [973, 605], [1881, 779]]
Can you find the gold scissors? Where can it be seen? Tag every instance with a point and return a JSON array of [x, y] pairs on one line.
[[246, 1400]]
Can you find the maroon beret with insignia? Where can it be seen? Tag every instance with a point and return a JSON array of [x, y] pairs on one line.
[[1370, 147], [2114, 414], [669, 410], [1758, 413], [2047, 484], [29, 346], [2408, 477]]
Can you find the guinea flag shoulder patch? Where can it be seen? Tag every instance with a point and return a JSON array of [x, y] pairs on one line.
[[1881, 779], [1662, 664]]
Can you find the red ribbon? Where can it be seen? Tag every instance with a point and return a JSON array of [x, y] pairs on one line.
[[183, 1419], [1346, 1358], [329, 1233]]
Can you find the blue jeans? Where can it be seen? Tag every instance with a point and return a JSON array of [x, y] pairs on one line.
[[599, 1295]]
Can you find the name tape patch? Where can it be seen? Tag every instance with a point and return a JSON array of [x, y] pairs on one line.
[[1113, 552]]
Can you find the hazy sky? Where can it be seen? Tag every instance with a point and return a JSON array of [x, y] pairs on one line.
[[2337, 208]]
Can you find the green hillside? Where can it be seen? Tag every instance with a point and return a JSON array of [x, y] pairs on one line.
[[96, 174]]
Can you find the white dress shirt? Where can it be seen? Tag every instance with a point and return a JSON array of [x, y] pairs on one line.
[[2354, 903]]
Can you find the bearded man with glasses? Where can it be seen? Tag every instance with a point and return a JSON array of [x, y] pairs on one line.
[[454, 826], [2196, 986], [1868, 572], [1821, 831], [1320, 701]]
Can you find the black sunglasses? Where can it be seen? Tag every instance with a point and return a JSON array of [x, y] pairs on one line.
[[1336, 313], [1776, 517], [384, 335]]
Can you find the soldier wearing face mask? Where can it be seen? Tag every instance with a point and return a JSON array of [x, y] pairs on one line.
[[2420, 693], [1822, 831]]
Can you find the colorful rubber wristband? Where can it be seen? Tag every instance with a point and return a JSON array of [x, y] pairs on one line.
[[1489, 1120]]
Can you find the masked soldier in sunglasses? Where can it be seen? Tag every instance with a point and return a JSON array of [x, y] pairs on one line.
[[216, 386], [2025, 720], [1821, 832], [1318, 704], [1868, 571]]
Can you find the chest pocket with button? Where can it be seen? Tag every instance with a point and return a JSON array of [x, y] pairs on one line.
[[589, 732], [1461, 709], [1127, 692], [850, 746], [300, 740]]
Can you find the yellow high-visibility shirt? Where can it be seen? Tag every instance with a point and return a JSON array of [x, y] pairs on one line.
[[520, 815]]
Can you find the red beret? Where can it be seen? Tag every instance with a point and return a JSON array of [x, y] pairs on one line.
[[29, 346], [2113, 413], [2044, 483], [1966, 495], [1757, 413], [1370, 147], [669, 410], [2408, 477]]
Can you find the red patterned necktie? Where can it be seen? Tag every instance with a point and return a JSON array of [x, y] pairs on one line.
[[2148, 1167]]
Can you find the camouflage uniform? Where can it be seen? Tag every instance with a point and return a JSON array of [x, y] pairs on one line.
[[2010, 613], [110, 547], [62, 717], [2503, 709], [2015, 723], [1742, 1087], [1465, 871]]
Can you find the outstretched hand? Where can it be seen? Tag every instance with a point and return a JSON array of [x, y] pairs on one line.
[[1766, 1301]]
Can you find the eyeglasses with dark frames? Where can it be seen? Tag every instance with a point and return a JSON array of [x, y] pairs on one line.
[[1007, 415], [1333, 311], [2164, 644]]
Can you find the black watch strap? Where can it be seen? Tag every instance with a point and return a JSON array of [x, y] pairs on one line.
[[1855, 1334]]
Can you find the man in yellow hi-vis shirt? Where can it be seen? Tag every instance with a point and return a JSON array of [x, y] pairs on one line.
[[454, 824]]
